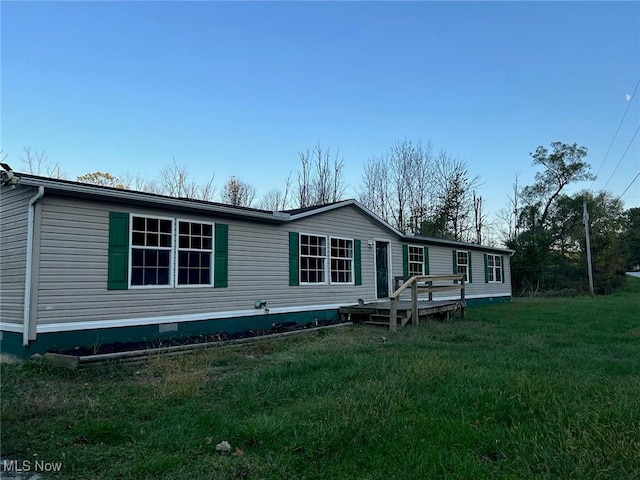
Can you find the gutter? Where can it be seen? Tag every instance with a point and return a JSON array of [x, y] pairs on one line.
[[26, 316]]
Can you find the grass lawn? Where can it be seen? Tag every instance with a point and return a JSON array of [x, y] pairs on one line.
[[539, 388]]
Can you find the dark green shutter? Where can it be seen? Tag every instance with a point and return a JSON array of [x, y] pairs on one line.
[[502, 267], [486, 269], [405, 261], [455, 264], [426, 260], [221, 260], [294, 262], [117, 276], [357, 262], [469, 269]]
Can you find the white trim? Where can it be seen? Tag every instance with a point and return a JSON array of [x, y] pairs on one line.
[[389, 266], [466, 272], [326, 259], [176, 267], [467, 297], [409, 247], [11, 327], [352, 259], [494, 268], [142, 247], [135, 322]]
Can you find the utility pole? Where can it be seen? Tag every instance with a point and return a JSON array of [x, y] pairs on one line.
[[585, 215]]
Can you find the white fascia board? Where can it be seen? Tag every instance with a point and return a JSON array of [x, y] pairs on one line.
[[467, 297], [11, 327], [137, 322]]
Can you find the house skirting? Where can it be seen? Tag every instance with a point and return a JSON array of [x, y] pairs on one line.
[[481, 302], [11, 342]]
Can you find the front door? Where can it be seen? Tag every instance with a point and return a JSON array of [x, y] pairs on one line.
[[382, 269]]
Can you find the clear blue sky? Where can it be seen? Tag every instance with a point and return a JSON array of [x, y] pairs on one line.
[[241, 88]]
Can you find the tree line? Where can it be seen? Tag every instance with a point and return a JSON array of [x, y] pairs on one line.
[[427, 192]]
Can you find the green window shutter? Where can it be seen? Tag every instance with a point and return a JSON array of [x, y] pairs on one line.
[[469, 268], [405, 261], [357, 262], [426, 260], [486, 269], [502, 267], [294, 259], [455, 264], [118, 256], [221, 260]]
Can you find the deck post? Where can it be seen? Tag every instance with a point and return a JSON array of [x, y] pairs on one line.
[[430, 284], [462, 297], [414, 303], [393, 314]]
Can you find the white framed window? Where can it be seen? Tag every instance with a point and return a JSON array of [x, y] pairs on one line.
[[341, 255], [463, 263], [151, 256], [494, 268], [313, 259], [416, 260], [195, 253]]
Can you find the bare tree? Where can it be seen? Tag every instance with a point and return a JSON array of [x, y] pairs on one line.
[[275, 199], [319, 180], [174, 181], [479, 218], [375, 191], [509, 215], [237, 192], [37, 163], [398, 187]]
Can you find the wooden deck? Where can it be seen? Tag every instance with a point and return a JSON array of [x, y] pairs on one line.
[[379, 312]]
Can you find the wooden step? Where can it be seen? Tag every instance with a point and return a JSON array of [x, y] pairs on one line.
[[377, 324], [384, 320]]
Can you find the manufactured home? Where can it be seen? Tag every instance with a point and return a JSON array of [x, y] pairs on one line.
[[84, 265]]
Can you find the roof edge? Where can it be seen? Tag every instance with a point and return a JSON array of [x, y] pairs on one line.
[[116, 194]]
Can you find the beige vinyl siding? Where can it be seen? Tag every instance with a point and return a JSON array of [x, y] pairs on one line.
[[14, 204], [72, 279], [73, 266], [346, 222], [441, 263]]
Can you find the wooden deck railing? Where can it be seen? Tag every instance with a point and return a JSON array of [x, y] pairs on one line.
[[423, 284]]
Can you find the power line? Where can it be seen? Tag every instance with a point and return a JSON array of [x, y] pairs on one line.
[[625, 152], [616, 134], [629, 186]]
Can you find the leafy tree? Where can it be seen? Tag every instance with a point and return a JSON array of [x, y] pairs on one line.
[[564, 165], [530, 260], [606, 218], [103, 179], [542, 241], [631, 239], [237, 192]]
